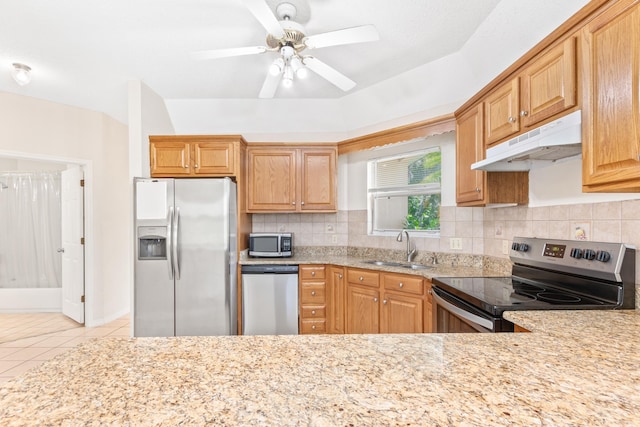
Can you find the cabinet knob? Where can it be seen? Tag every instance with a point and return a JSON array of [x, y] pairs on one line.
[[375, 300], [477, 189], [512, 119], [361, 278], [186, 166], [339, 276], [313, 327], [524, 113], [384, 301], [302, 203], [313, 273], [313, 312], [400, 285], [196, 166], [313, 293], [293, 203], [429, 291]]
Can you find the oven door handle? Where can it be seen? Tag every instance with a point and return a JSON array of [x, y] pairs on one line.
[[463, 313]]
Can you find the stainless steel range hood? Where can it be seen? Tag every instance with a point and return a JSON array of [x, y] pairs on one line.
[[542, 146]]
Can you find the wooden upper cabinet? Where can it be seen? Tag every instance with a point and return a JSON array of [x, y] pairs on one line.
[[272, 179], [549, 84], [479, 188], [292, 179], [546, 87], [611, 113], [501, 109], [195, 156], [170, 158], [470, 184]]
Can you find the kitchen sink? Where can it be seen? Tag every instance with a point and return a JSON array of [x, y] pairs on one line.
[[399, 264]]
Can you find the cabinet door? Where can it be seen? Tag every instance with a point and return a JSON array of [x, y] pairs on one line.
[[470, 184], [363, 310], [170, 158], [214, 158], [336, 300], [272, 180], [401, 314], [318, 179], [428, 310], [501, 110], [549, 84], [611, 114]]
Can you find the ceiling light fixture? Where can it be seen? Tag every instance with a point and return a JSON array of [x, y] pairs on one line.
[[276, 67], [300, 70], [287, 78], [21, 73]]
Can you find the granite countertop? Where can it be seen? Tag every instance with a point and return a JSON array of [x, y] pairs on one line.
[[442, 269], [576, 368]]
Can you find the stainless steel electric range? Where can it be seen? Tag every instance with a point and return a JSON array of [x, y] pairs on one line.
[[546, 275]]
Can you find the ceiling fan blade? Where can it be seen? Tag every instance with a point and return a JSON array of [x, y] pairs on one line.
[[263, 13], [332, 75], [364, 33], [270, 86], [225, 53]]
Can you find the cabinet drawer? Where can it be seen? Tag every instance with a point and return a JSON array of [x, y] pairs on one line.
[[313, 312], [409, 284], [363, 277], [312, 294], [313, 326], [312, 272]]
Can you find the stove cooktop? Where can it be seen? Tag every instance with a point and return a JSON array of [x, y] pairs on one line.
[[498, 294]]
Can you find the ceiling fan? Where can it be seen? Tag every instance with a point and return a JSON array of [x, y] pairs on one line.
[[287, 37]]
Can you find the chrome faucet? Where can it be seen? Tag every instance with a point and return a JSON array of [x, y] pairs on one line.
[[410, 252]]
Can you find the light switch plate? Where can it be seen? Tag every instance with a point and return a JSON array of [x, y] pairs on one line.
[[505, 247]]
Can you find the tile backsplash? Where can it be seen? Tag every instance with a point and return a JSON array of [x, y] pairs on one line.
[[481, 231]]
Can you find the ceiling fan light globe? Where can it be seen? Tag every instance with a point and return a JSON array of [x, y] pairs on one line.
[[287, 82], [302, 73], [276, 67]]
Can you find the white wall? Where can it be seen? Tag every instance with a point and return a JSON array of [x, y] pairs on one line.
[[41, 128]]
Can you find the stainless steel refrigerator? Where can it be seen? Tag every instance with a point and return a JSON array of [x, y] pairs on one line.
[[185, 257]]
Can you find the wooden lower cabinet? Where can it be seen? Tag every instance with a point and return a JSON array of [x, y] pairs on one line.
[[336, 296], [313, 302], [363, 310], [428, 310], [401, 314]]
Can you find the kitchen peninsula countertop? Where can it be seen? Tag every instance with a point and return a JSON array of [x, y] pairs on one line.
[[575, 368]]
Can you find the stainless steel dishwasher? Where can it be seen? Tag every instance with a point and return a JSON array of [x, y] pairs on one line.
[[269, 299]]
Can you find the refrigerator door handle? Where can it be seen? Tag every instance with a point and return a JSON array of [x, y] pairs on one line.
[[170, 242], [175, 238]]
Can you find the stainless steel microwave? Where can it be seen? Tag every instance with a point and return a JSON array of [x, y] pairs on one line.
[[270, 245]]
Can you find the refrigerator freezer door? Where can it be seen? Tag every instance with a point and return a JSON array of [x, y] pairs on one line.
[[153, 295], [205, 302]]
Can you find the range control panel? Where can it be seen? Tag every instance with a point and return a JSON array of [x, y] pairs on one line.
[[577, 257]]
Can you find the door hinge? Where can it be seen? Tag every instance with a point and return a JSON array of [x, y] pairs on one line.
[[82, 298], [82, 240], [82, 183]]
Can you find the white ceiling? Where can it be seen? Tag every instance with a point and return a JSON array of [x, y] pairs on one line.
[[83, 52]]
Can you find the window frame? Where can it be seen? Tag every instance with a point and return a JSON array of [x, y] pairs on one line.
[[373, 192]]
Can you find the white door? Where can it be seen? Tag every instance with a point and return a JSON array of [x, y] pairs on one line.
[[72, 250]]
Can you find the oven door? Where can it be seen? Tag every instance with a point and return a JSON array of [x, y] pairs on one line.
[[451, 314]]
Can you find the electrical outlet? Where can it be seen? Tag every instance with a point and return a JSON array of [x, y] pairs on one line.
[[334, 239], [455, 243], [505, 247]]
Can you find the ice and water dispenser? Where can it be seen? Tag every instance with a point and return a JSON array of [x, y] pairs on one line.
[[152, 243]]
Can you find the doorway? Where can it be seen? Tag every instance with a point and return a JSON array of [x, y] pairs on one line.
[[42, 266]]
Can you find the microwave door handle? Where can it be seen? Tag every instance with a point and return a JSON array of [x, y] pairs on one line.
[[170, 242], [176, 241], [463, 313]]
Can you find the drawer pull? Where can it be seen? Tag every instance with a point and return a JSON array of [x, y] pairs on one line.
[[313, 273], [313, 327], [313, 312], [313, 293], [400, 285], [361, 278]]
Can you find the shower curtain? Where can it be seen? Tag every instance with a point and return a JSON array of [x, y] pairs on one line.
[[30, 223]]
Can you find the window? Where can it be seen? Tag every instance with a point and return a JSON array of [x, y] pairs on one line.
[[404, 192]]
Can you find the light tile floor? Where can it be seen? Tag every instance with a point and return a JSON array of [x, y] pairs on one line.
[[16, 357], [15, 326]]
